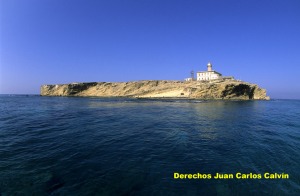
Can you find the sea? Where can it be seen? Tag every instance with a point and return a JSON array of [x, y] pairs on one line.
[[124, 146]]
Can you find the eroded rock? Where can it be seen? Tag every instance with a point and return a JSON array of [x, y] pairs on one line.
[[219, 89]]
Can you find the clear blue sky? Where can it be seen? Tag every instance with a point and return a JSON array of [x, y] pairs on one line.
[[64, 41]]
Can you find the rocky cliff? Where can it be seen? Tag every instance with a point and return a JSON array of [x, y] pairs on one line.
[[220, 89]]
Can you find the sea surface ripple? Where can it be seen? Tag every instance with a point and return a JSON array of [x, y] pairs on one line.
[[111, 146]]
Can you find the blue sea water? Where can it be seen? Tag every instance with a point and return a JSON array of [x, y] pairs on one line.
[[110, 146]]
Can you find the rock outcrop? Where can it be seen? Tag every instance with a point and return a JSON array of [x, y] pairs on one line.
[[218, 89]]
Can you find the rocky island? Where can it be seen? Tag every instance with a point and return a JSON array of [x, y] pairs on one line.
[[214, 89], [209, 84]]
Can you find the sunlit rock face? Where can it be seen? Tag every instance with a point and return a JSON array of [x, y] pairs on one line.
[[218, 89]]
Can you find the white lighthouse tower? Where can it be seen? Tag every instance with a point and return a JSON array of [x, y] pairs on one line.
[[209, 66]]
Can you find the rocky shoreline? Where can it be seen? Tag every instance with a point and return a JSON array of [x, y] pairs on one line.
[[218, 89]]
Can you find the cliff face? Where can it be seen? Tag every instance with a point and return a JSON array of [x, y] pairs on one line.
[[226, 89]]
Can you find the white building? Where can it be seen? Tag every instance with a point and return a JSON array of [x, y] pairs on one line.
[[209, 74], [188, 79]]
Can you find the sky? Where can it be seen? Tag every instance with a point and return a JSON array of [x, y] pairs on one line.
[[65, 41]]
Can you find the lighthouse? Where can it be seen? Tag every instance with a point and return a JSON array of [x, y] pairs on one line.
[[209, 74], [209, 66]]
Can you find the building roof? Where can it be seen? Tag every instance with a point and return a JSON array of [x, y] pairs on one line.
[[209, 71]]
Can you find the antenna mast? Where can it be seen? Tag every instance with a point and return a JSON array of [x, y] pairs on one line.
[[192, 75]]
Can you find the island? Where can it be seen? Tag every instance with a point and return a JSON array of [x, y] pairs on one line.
[[208, 85], [220, 89]]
